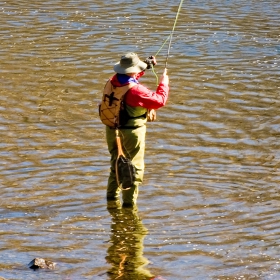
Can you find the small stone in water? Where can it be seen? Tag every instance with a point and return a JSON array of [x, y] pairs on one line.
[[41, 263]]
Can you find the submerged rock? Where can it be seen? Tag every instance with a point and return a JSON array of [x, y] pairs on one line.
[[41, 263]]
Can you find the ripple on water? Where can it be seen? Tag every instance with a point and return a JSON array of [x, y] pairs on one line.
[[208, 205]]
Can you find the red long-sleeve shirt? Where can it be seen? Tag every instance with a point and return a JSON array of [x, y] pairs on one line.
[[140, 95]]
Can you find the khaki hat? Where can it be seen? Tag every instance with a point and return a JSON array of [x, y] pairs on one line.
[[130, 63]]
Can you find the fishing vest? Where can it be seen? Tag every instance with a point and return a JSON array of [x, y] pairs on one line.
[[112, 108]]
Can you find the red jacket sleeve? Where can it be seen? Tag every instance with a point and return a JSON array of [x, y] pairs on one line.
[[139, 95]]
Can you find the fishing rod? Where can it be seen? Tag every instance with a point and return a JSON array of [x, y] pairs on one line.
[[171, 34], [170, 39]]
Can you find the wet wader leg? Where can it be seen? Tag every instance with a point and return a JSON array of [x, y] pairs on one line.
[[134, 146], [112, 186]]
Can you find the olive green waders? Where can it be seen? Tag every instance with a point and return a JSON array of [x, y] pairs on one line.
[[133, 143]]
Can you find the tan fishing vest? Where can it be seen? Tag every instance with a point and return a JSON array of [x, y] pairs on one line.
[[112, 103]]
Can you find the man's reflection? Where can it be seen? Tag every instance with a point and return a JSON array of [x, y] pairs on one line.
[[126, 252]]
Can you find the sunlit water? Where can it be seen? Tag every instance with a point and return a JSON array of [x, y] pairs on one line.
[[209, 206]]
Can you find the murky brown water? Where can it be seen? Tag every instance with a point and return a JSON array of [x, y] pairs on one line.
[[209, 207]]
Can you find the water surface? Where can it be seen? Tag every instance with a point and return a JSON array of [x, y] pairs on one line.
[[209, 205]]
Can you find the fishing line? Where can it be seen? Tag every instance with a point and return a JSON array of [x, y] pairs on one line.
[[162, 45], [156, 55], [171, 34], [169, 37]]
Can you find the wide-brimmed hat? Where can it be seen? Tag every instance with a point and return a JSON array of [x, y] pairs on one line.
[[130, 63]]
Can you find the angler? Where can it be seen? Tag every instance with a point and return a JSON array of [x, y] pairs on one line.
[[125, 94]]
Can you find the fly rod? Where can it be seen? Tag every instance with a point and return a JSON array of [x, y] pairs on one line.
[[170, 40], [171, 34]]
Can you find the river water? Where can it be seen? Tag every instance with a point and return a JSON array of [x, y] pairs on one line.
[[209, 205]]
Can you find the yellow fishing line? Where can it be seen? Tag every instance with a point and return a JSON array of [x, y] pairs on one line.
[[170, 36]]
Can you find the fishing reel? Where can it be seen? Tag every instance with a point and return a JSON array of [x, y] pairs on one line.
[[150, 61]]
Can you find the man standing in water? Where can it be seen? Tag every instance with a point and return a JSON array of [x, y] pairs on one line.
[[140, 103]]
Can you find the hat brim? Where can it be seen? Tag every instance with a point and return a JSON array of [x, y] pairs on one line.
[[141, 66]]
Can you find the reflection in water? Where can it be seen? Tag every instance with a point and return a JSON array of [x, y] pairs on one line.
[[126, 252]]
